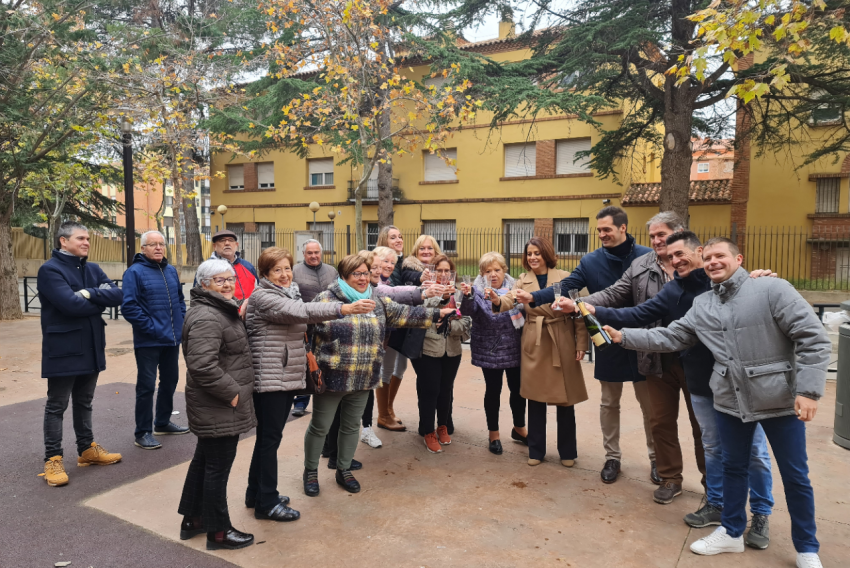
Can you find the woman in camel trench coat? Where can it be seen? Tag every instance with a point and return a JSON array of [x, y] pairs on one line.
[[553, 344]]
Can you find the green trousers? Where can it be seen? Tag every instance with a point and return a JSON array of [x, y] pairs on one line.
[[351, 405]]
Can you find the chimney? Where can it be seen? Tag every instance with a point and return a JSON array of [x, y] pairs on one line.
[[507, 29]]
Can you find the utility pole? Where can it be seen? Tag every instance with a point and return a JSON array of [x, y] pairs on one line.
[[129, 201]]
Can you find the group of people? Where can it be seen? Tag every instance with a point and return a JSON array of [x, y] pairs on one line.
[[749, 358]]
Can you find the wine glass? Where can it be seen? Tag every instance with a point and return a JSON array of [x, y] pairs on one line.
[[573, 294], [432, 273], [556, 288]]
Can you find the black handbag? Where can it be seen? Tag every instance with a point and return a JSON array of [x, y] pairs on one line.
[[314, 383]]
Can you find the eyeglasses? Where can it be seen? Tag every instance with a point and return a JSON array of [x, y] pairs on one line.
[[155, 245], [361, 274], [223, 281], [226, 241]]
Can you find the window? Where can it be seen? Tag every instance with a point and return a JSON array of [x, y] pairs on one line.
[[521, 231], [828, 190], [265, 175], [565, 157], [445, 233], [321, 172], [702, 167], [521, 160], [371, 236], [326, 230], [436, 169], [169, 201], [571, 235], [267, 236], [827, 113], [235, 177]]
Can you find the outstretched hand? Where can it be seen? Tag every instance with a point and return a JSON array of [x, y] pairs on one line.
[[616, 336], [524, 297], [358, 307]]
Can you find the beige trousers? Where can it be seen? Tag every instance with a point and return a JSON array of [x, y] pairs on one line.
[[609, 417]]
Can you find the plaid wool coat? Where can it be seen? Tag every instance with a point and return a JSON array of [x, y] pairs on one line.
[[350, 350]]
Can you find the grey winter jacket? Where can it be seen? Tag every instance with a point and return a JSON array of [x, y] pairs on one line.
[[640, 282], [313, 281], [436, 344], [276, 326], [767, 342]]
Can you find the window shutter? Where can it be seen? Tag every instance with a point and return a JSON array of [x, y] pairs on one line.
[[565, 154], [436, 168], [827, 196], [445, 233], [265, 174], [521, 160], [323, 166], [236, 177]]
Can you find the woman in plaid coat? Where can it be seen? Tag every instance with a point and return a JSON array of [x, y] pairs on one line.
[[349, 352]]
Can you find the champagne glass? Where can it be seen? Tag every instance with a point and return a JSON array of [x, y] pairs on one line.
[[573, 294], [432, 273], [556, 288]]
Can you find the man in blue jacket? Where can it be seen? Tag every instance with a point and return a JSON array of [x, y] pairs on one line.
[[73, 294], [154, 304], [614, 366]]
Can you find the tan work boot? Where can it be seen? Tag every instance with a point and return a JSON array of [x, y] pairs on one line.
[[385, 421], [54, 472], [395, 383], [97, 455]]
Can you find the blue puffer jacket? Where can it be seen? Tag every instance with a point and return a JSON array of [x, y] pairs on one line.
[[596, 271], [495, 341], [153, 303]]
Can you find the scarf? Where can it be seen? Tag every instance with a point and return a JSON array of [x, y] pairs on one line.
[[351, 294], [293, 292]]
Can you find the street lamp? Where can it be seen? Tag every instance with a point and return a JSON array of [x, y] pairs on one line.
[[222, 209], [129, 202], [331, 215], [314, 207]]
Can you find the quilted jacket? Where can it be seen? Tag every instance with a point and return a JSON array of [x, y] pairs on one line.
[[276, 327], [153, 303], [313, 280], [350, 350], [218, 367], [495, 341]]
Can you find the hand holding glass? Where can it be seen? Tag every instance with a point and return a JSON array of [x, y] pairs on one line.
[[556, 288]]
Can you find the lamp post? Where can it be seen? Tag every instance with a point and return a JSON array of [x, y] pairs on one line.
[[129, 202], [314, 207], [331, 215], [222, 209]]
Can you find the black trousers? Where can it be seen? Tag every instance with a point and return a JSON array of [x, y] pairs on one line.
[[272, 410], [493, 397], [435, 379], [331, 448], [566, 416], [59, 392], [205, 489]]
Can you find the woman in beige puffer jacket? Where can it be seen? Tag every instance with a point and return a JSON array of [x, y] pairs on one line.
[[277, 320]]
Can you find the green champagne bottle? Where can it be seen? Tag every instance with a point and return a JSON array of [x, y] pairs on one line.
[[599, 336]]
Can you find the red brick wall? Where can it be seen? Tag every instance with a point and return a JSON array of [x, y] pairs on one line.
[[544, 227], [545, 157], [845, 166], [825, 253], [250, 173]]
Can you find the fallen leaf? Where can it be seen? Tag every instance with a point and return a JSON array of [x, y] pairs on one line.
[[66, 563]]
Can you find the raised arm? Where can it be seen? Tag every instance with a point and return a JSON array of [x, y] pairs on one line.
[[408, 295], [618, 294], [399, 315], [678, 336], [53, 287], [575, 281], [641, 315], [277, 308], [203, 345], [105, 293]]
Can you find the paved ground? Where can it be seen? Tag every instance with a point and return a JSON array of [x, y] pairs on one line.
[[464, 507]]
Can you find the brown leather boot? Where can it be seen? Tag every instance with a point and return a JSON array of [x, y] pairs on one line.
[[395, 383], [385, 421]]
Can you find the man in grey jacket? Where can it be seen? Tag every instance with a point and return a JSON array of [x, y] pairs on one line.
[[771, 353]]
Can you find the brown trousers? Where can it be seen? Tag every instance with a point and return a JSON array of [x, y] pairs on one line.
[[664, 394]]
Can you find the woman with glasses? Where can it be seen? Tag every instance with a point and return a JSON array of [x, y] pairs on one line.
[[277, 320], [349, 352], [219, 388]]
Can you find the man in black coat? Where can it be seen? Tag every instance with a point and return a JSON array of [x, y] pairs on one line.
[[73, 294]]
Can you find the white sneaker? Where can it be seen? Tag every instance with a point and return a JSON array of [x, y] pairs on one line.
[[808, 560], [717, 543], [368, 437]]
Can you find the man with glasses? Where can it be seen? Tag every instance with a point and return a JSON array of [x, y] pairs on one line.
[[225, 246], [154, 305]]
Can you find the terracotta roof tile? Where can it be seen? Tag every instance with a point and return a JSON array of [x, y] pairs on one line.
[[702, 191]]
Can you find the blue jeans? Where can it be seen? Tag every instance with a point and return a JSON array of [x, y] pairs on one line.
[[147, 361], [787, 437], [760, 475], [301, 401]]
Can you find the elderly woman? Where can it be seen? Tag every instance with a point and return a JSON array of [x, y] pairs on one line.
[[553, 345], [436, 366], [349, 352], [219, 385], [495, 345], [277, 321]]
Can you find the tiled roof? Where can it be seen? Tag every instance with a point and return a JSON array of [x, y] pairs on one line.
[[702, 191]]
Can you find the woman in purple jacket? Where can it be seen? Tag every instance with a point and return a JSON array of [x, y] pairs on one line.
[[495, 345]]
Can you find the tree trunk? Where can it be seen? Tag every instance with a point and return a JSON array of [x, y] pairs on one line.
[[677, 157], [358, 215], [176, 210], [10, 303], [385, 179], [194, 253]]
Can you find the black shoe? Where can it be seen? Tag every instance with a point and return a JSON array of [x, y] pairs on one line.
[[346, 480], [496, 447], [610, 471], [191, 527], [311, 482], [653, 474], [148, 442], [355, 465], [519, 437], [706, 516], [299, 411], [667, 492], [230, 539], [759, 534], [279, 512], [170, 429], [250, 502]]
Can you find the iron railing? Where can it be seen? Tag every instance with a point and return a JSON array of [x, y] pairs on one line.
[[372, 190]]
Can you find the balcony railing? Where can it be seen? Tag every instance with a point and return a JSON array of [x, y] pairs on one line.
[[372, 190]]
